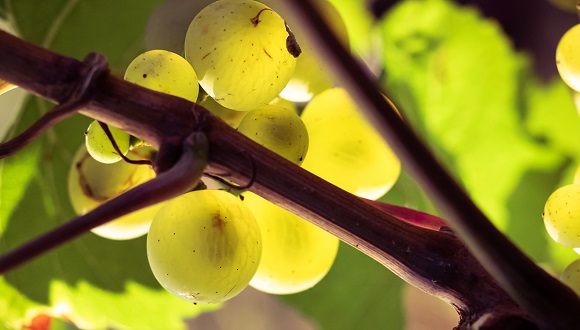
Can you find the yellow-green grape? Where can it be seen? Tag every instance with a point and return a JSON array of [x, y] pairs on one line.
[[562, 215], [165, 72], [311, 76], [571, 276], [101, 148], [284, 103], [239, 50], [568, 57], [231, 117], [345, 149], [204, 246], [296, 255], [278, 129], [92, 183]]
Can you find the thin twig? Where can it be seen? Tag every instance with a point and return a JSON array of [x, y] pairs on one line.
[[97, 65], [182, 177], [111, 138]]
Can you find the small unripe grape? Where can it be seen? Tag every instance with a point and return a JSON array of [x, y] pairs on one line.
[[239, 50], [568, 57], [345, 149], [92, 183], [296, 253], [101, 148], [204, 246], [571, 276], [562, 215], [165, 72], [278, 129]]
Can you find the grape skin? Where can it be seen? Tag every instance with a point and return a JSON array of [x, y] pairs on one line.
[[231, 117], [239, 51], [101, 148], [296, 254], [568, 57], [204, 246], [345, 149], [91, 183], [571, 276], [311, 75], [562, 215], [278, 129], [165, 72]]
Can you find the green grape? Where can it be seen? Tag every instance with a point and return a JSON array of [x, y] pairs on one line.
[[562, 215], [92, 183], [204, 246], [345, 149], [577, 176], [100, 147], [284, 103], [278, 129], [240, 53], [311, 76], [568, 57], [571, 276], [231, 117], [296, 253], [165, 72]]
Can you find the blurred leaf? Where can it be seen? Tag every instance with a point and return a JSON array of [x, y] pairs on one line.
[[76, 28], [95, 282], [360, 26], [458, 82], [552, 117]]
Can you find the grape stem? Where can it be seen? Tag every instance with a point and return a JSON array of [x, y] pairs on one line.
[[97, 65], [437, 262], [182, 177], [111, 138]]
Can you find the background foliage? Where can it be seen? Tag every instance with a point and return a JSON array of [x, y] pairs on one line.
[[509, 138]]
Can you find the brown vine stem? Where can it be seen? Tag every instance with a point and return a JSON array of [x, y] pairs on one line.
[[434, 261], [551, 303], [180, 178]]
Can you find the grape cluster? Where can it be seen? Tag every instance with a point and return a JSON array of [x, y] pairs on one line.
[[207, 245], [562, 209]]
